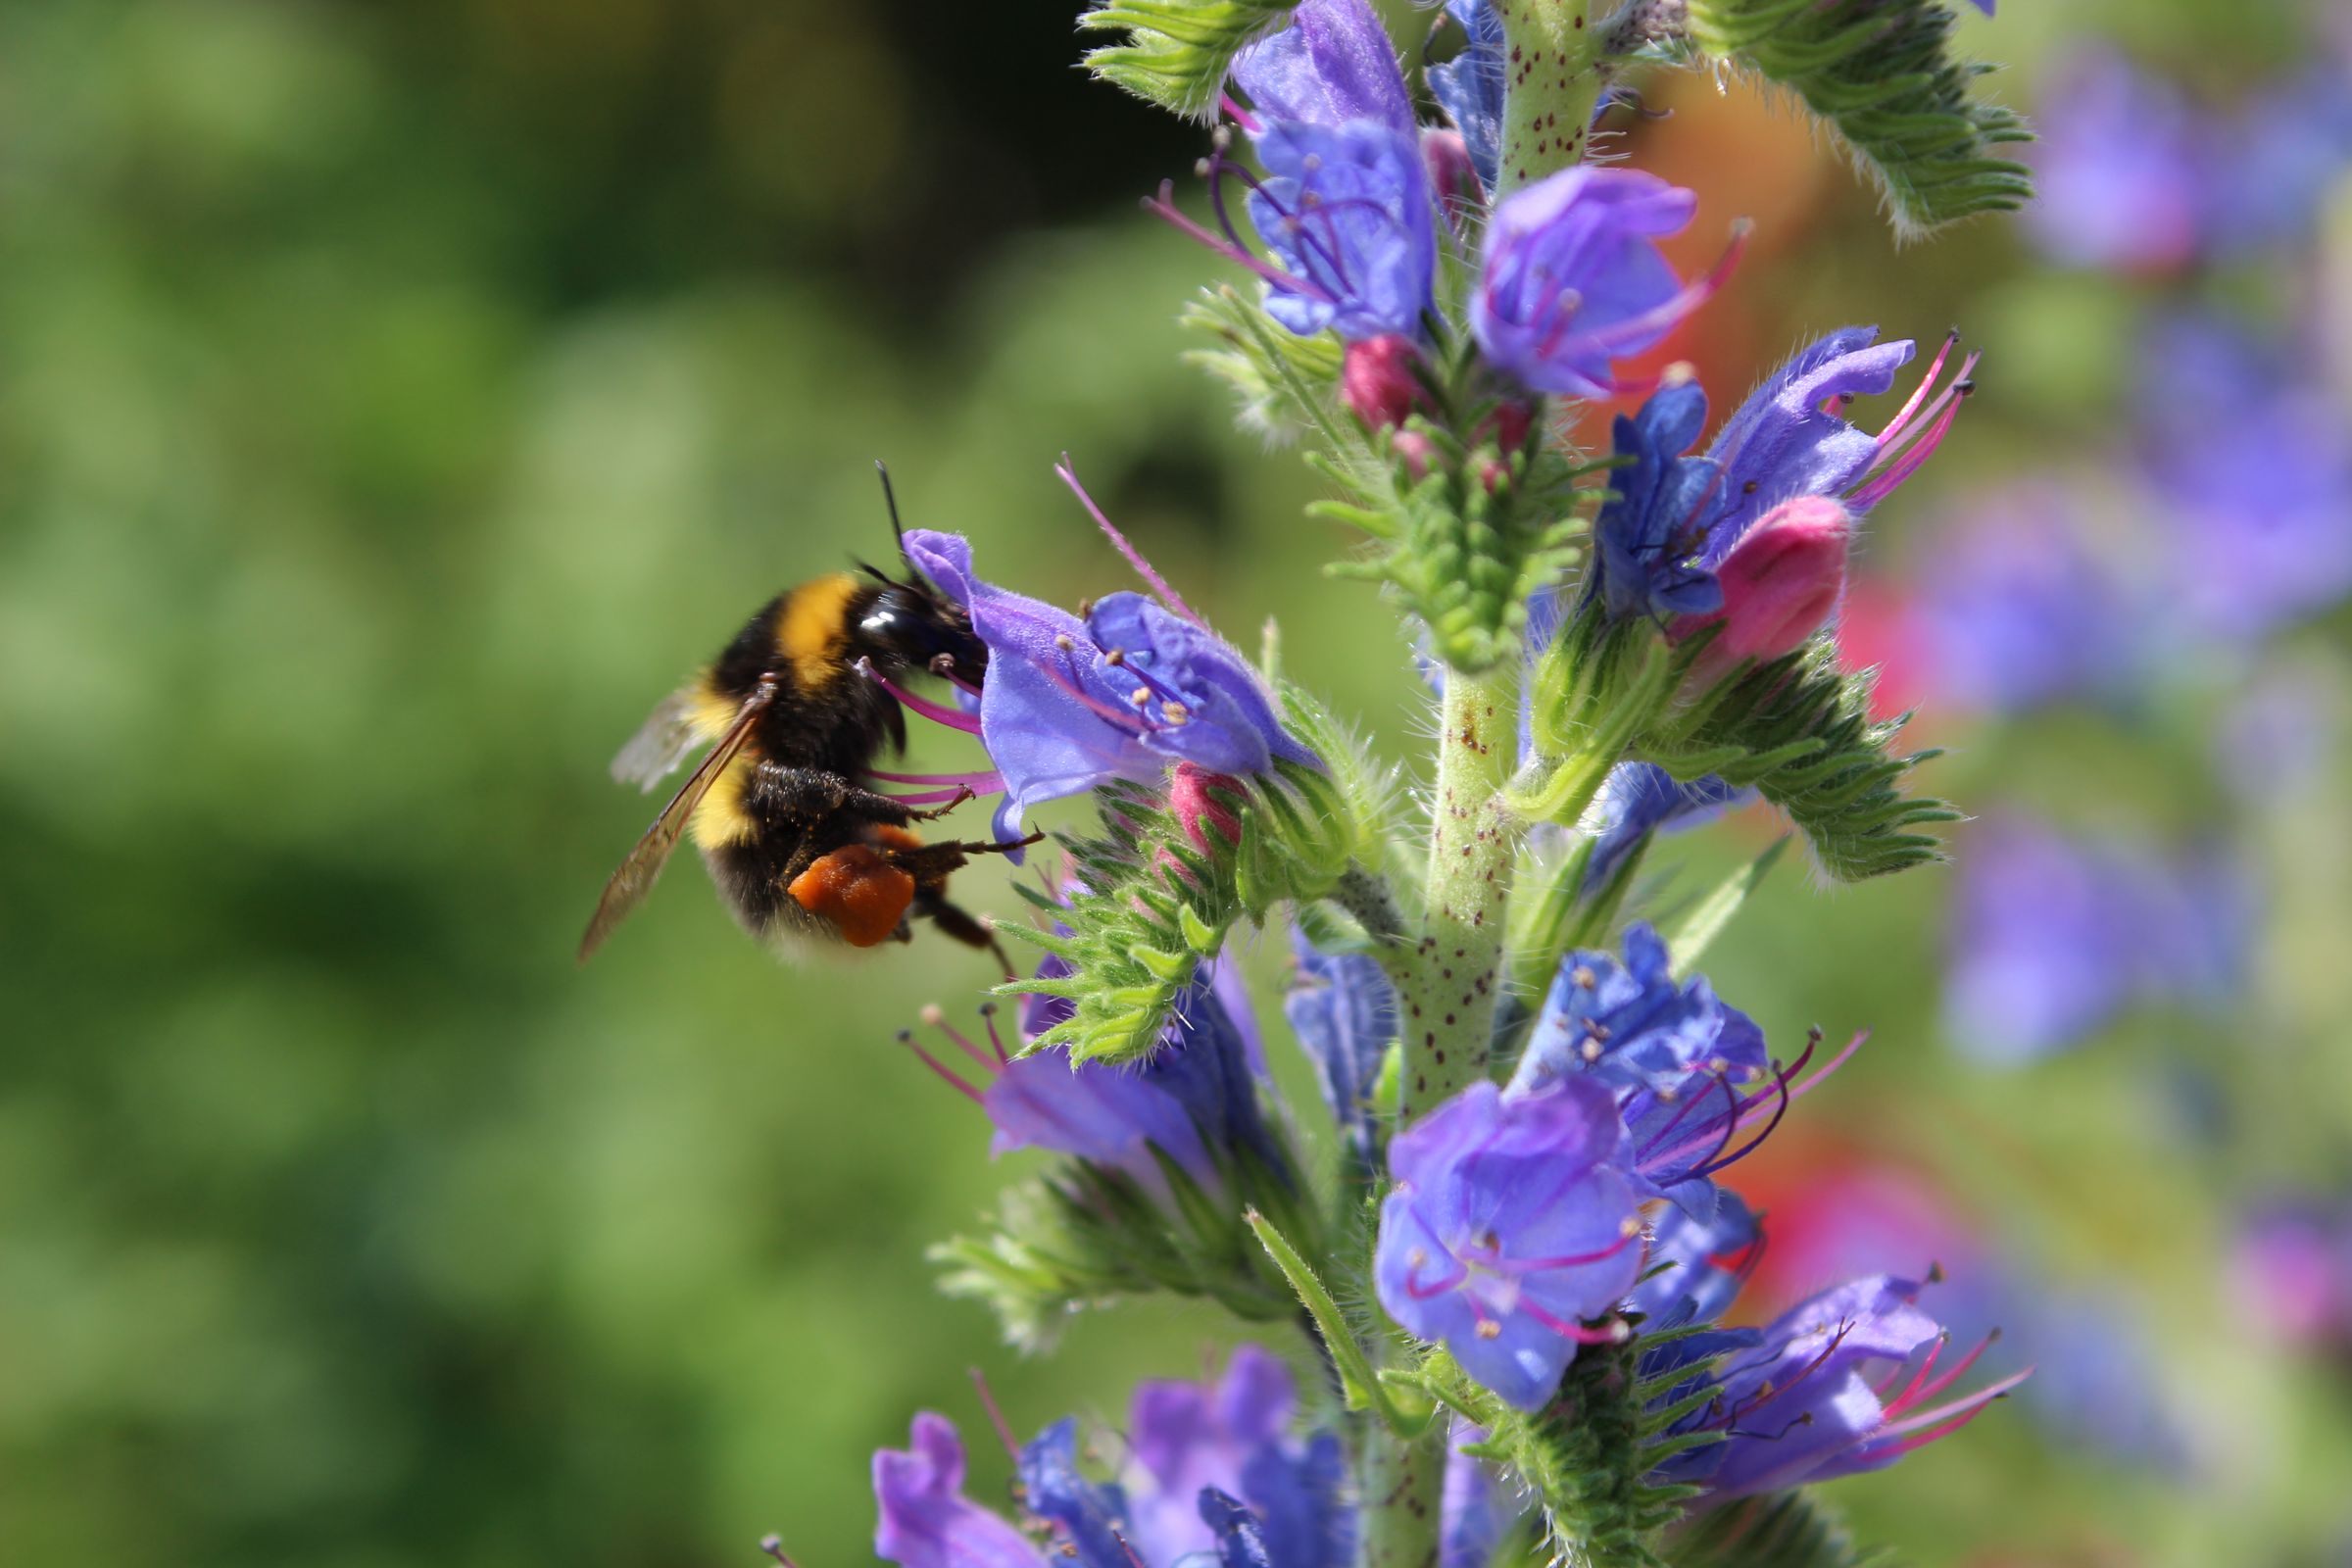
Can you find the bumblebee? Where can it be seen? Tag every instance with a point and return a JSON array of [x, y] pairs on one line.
[[798, 842]]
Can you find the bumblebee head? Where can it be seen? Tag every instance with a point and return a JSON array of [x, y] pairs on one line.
[[907, 625]]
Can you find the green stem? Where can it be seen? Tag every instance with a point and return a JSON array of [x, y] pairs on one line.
[[1449, 982], [1404, 1487], [1551, 80]]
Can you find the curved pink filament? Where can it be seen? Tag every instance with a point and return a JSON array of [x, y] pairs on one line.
[[952, 719], [1134, 557]]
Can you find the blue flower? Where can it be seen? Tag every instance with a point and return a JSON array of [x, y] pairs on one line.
[[1506, 1229], [1194, 1103], [1667, 536], [1677, 1062], [1127, 692], [1633, 1027], [2052, 937], [1089, 1518], [1687, 1278], [2279, 160], [2122, 184], [1838, 1384], [1345, 212], [2015, 607], [1782, 443], [1186, 1439], [1469, 86], [1652, 530], [1640, 799], [1343, 1011], [2252, 481], [925, 1521], [1573, 279], [1331, 64]]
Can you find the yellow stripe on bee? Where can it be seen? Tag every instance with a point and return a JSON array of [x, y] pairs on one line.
[[719, 818], [813, 628], [711, 711]]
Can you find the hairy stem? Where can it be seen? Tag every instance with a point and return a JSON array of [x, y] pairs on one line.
[[1404, 1487], [1451, 981], [1552, 73]]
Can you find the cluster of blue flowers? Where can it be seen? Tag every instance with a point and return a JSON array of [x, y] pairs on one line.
[[1539, 1334]]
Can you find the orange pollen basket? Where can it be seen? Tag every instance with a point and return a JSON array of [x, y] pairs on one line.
[[859, 891]]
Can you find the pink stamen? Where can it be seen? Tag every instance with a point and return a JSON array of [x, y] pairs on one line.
[[1918, 392], [1958, 1411], [1613, 1333], [1920, 1391], [1166, 207], [995, 1412], [1236, 114], [1537, 1265], [1884, 483], [961, 1040], [996, 1041], [773, 1547], [1134, 557], [1122, 719], [1692, 296], [907, 1040], [952, 718], [984, 781]]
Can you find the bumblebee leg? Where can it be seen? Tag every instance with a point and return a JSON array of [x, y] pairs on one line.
[[959, 923]]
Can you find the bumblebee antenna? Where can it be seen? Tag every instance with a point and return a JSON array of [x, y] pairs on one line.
[[890, 499]]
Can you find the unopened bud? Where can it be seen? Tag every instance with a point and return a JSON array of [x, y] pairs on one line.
[[1192, 798], [1451, 174], [1378, 381], [1781, 584]]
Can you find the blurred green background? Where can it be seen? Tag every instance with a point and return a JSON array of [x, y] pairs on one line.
[[395, 402]]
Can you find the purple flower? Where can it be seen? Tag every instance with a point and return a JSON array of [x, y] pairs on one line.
[[1790, 439], [1841, 1384], [1684, 1278], [2016, 607], [1331, 65], [1192, 1105], [1474, 1510], [2252, 482], [2052, 937], [1506, 1229], [1469, 86], [1672, 521], [2279, 160], [1654, 528], [1573, 278], [1343, 1011], [926, 1519], [1089, 1518], [1680, 1065], [1125, 693], [1345, 212], [2118, 170], [1187, 1438], [1633, 1027]]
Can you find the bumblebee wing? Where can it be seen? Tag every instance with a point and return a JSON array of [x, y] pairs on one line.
[[635, 878], [654, 752]]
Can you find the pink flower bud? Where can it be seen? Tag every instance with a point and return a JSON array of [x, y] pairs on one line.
[[1192, 798], [1451, 174], [1780, 583], [1377, 379]]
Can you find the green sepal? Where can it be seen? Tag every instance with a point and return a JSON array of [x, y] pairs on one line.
[[1883, 74], [1178, 51], [1156, 904], [1788, 1530], [1285, 382], [1798, 730], [1466, 540], [1080, 1236]]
